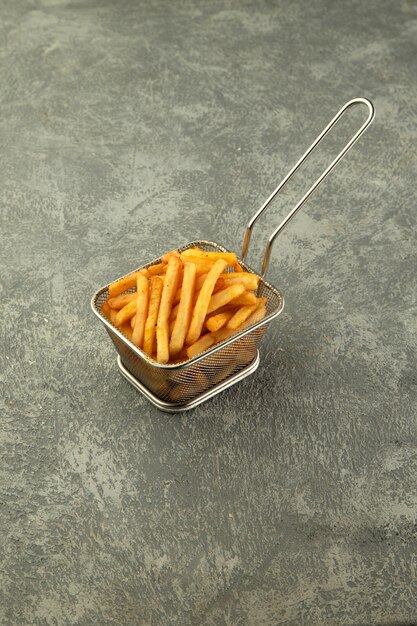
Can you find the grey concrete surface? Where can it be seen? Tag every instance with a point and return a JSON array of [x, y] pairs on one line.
[[128, 128]]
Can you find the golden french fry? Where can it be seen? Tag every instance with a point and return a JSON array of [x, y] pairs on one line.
[[219, 285], [156, 287], [142, 298], [118, 302], [167, 297], [204, 343], [168, 255], [123, 285], [113, 315], [223, 297], [126, 313], [215, 322], [126, 330], [171, 327], [105, 309], [203, 265], [132, 321], [156, 270], [240, 316], [203, 300], [246, 278], [226, 333], [238, 267], [185, 308], [230, 257], [245, 299]]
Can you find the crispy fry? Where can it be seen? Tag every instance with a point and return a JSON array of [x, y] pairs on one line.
[[132, 321], [245, 299], [249, 280], [217, 287], [168, 293], [156, 286], [126, 313], [113, 315], [203, 300], [238, 267], [126, 330], [122, 285], [223, 297], [171, 327], [203, 265], [240, 316], [142, 298], [230, 257], [105, 309], [156, 270], [185, 307], [226, 333], [168, 255], [215, 322], [121, 300], [204, 343]]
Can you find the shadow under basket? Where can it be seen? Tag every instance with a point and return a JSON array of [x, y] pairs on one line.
[[183, 385]]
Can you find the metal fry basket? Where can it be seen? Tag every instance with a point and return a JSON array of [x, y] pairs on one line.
[[184, 385]]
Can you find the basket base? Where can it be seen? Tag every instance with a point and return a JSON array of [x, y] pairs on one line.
[[171, 407]]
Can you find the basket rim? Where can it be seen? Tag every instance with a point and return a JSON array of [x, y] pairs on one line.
[[218, 346]]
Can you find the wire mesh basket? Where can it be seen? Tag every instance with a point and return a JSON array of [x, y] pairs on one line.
[[183, 382], [183, 385]]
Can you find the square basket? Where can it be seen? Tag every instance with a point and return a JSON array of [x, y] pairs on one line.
[[182, 385], [185, 384]]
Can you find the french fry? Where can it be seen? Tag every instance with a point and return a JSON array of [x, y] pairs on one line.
[[185, 307], [132, 321], [207, 341], [230, 257], [126, 330], [171, 327], [142, 298], [122, 285], [113, 315], [215, 322], [238, 267], [203, 300], [168, 255], [156, 286], [105, 309], [246, 278], [219, 285], [126, 313], [245, 299], [156, 270], [121, 300], [226, 333], [204, 343], [200, 281], [240, 316], [168, 293], [223, 297], [125, 283], [203, 265]]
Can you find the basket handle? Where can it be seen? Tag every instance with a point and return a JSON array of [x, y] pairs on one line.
[[314, 186]]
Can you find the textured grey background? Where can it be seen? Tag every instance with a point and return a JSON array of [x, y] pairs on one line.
[[128, 128]]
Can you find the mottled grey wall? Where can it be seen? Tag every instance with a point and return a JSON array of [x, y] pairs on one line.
[[128, 128]]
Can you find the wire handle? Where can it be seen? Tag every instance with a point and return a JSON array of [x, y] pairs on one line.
[[314, 186]]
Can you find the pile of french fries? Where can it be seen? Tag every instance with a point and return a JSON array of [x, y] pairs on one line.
[[185, 304]]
